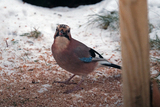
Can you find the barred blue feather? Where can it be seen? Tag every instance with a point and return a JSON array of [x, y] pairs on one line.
[[86, 59]]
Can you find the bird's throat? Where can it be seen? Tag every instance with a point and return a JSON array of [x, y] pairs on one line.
[[61, 43]]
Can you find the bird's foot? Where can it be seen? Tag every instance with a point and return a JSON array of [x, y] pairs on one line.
[[64, 82], [74, 89]]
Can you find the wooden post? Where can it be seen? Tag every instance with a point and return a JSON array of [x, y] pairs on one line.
[[135, 52]]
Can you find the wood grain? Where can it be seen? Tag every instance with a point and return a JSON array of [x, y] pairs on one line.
[[135, 52]]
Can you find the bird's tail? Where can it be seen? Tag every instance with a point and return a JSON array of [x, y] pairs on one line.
[[106, 63], [102, 61]]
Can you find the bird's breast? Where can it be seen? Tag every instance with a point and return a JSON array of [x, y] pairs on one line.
[[68, 54], [61, 43]]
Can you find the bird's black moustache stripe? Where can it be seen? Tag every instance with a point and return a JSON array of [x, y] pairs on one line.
[[64, 35], [67, 36]]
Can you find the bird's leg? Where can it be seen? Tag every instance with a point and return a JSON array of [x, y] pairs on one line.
[[67, 81], [76, 87]]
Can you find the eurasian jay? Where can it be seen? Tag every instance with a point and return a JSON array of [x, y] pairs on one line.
[[75, 56]]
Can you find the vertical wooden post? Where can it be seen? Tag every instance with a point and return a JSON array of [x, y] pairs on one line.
[[135, 52]]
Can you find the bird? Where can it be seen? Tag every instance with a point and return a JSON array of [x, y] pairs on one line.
[[75, 57]]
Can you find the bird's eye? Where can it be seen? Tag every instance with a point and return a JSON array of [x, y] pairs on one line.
[[68, 30]]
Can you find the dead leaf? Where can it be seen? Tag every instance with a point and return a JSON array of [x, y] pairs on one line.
[[0, 68], [24, 66]]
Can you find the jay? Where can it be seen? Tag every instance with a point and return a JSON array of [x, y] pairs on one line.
[[75, 56]]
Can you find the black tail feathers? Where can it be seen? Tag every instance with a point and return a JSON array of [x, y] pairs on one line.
[[113, 65]]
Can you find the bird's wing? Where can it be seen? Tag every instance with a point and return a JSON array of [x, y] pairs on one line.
[[87, 55], [93, 53], [101, 60]]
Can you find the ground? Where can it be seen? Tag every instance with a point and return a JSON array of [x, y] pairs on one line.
[[32, 86], [28, 69], [28, 73]]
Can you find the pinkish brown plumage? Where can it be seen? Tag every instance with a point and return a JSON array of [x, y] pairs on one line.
[[75, 56]]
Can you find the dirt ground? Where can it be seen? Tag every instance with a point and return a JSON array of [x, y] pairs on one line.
[[30, 84], [27, 76], [34, 87]]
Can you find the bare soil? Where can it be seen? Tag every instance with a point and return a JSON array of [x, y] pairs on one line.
[[33, 87]]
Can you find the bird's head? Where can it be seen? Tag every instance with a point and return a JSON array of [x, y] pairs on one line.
[[63, 30], [62, 37]]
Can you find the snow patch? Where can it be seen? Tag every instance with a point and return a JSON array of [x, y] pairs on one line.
[[44, 88]]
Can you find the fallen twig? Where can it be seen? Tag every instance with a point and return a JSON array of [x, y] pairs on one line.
[[6, 43]]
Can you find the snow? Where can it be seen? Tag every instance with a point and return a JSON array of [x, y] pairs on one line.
[[76, 95], [154, 72], [158, 77], [18, 18], [44, 88]]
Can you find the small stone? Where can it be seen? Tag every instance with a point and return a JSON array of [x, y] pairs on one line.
[[33, 81]]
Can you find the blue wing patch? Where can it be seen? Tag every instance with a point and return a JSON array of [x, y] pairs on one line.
[[89, 59]]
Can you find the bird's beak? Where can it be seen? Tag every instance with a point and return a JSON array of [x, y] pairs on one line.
[[61, 33]]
